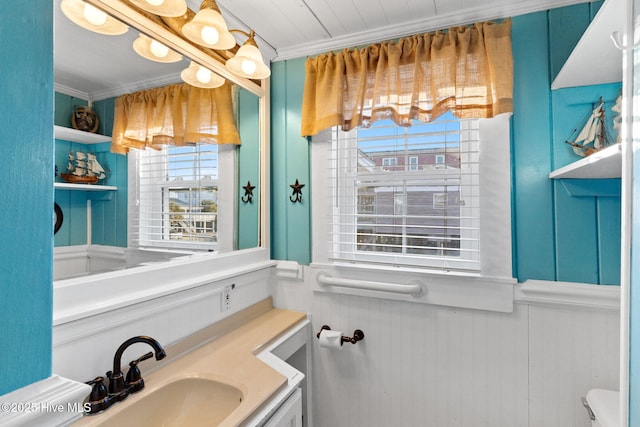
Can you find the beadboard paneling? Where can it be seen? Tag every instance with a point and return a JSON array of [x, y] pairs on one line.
[[570, 352], [435, 366], [420, 365]]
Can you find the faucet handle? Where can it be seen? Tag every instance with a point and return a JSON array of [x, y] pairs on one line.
[[141, 358], [134, 380], [98, 398]]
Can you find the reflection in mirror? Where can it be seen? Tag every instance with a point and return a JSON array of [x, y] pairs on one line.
[[93, 69]]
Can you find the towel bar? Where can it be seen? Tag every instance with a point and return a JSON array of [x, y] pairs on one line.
[[413, 288]]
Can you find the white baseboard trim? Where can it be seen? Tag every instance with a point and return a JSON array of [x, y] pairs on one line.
[[52, 402], [570, 294]]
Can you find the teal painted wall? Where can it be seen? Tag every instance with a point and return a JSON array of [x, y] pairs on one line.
[[26, 224], [556, 236], [248, 115], [290, 222]]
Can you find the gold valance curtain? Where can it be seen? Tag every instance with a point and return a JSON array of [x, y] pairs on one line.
[[468, 70], [177, 114]]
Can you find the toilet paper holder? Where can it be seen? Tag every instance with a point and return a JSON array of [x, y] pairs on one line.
[[357, 335]]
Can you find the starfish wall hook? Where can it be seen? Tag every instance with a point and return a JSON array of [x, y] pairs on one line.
[[248, 193], [296, 196]]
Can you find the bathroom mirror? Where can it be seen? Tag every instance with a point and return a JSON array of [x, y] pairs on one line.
[[90, 66]]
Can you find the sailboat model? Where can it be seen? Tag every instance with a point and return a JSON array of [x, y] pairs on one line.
[[83, 168], [594, 135]]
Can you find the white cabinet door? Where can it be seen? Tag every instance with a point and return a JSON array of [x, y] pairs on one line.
[[289, 414]]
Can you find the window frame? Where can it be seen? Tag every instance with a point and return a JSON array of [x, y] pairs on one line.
[[495, 192], [399, 186], [226, 217]]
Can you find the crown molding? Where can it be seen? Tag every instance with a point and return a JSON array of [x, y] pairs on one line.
[[135, 87], [66, 90], [438, 22]]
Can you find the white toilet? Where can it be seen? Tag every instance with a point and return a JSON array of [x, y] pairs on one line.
[[603, 407]]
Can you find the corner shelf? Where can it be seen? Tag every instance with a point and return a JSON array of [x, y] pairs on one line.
[[74, 135], [605, 163], [83, 187], [608, 66], [82, 137]]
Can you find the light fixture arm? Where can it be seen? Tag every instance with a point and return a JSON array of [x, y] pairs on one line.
[[251, 36], [209, 4]]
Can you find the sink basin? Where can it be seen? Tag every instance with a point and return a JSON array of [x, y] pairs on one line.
[[185, 402]]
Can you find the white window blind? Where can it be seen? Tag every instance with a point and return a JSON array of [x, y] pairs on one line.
[[407, 195], [176, 198]]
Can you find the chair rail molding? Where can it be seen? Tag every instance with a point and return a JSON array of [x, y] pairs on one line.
[[567, 293]]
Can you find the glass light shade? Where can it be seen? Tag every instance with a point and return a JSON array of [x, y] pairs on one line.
[[171, 8], [200, 30], [154, 50], [92, 19], [248, 63], [94, 15], [197, 75]]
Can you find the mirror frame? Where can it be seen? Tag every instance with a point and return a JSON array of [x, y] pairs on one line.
[[136, 20]]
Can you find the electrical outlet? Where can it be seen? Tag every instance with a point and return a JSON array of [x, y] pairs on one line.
[[226, 298]]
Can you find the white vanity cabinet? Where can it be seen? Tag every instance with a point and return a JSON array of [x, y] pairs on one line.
[[289, 414], [291, 356]]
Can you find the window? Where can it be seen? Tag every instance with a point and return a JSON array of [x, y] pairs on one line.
[[389, 161], [413, 163], [176, 198], [387, 213], [446, 225]]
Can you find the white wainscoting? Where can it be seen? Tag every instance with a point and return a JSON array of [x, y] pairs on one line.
[[437, 366], [82, 260]]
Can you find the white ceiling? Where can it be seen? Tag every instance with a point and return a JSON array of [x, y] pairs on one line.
[[94, 66]]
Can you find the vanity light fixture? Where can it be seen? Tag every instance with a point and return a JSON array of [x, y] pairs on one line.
[[208, 28], [171, 8], [197, 75], [91, 18], [153, 50], [247, 62]]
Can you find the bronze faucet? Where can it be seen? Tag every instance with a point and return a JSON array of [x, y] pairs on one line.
[[119, 388]]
